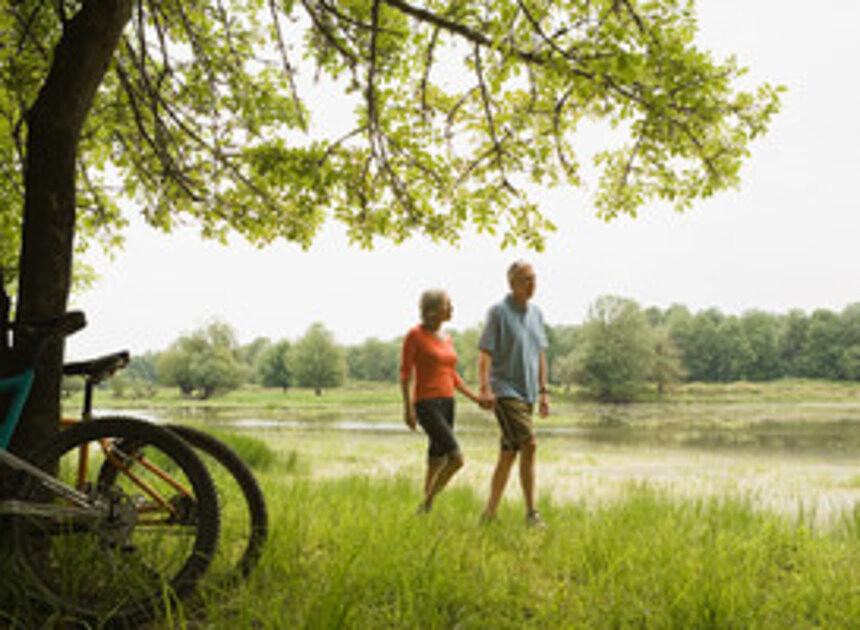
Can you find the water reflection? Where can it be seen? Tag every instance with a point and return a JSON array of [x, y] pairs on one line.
[[831, 439]]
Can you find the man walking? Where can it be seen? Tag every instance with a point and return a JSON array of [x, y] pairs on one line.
[[513, 375]]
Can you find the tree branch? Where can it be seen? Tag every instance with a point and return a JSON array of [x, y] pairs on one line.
[[451, 26], [425, 76], [357, 23], [288, 67], [556, 125], [329, 37], [337, 143], [488, 114]]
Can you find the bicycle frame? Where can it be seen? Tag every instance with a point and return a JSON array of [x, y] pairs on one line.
[[19, 386], [56, 486], [81, 540], [124, 462]]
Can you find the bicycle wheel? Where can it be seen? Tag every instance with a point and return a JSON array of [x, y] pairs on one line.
[[244, 517], [244, 531], [156, 532]]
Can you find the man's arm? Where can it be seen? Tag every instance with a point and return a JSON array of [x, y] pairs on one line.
[[543, 396], [485, 362]]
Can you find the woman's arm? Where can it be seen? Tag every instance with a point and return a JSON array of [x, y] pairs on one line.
[[407, 366], [468, 393], [408, 408]]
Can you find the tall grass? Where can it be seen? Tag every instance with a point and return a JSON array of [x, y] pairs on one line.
[[352, 553], [255, 452]]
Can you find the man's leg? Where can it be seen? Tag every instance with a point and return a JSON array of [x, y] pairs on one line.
[[499, 481], [527, 474]]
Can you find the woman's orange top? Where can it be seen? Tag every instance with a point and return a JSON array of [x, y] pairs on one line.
[[434, 361]]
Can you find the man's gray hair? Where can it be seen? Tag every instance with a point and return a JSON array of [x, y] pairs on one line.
[[431, 301], [515, 268]]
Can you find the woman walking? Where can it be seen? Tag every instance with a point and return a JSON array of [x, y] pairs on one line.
[[429, 354]]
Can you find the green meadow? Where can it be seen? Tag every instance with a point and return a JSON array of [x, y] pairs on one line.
[[724, 506], [350, 552]]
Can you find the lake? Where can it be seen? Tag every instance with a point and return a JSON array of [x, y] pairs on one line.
[[799, 459]]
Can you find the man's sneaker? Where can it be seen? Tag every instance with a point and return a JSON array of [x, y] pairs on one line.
[[533, 519]]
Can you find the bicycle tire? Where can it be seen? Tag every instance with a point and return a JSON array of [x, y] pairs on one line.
[[100, 572], [255, 502]]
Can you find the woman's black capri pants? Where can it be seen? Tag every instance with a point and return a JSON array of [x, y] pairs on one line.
[[436, 417]]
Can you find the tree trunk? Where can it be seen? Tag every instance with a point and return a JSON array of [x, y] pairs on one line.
[[54, 124]]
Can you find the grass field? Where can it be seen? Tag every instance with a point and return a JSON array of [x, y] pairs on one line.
[[350, 552], [651, 534]]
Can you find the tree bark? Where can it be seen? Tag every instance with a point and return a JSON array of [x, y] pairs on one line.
[[54, 123]]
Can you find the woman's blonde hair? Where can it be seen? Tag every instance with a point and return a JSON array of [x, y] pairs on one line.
[[430, 303]]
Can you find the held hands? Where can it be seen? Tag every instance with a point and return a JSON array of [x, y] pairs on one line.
[[486, 399]]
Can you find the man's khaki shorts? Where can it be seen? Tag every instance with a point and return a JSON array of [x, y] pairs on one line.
[[515, 421]]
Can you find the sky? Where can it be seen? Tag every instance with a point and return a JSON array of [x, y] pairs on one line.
[[786, 239]]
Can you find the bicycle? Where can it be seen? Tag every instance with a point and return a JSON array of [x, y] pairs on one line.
[[115, 532], [243, 535]]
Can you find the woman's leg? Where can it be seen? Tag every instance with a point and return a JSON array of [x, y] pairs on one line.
[[436, 417], [434, 466], [453, 463]]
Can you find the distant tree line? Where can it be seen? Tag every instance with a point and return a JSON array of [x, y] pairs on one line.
[[619, 351], [759, 346], [621, 347]]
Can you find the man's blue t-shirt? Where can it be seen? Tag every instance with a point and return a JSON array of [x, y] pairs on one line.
[[514, 337]]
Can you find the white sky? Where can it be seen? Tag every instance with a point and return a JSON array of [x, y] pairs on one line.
[[786, 239]]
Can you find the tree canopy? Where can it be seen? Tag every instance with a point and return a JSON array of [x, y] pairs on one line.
[[273, 366], [195, 110], [203, 362], [200, 114], [616, 356], [316, 360], [374, 360]]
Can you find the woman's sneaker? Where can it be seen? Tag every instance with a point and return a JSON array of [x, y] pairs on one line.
[[533, 519]]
